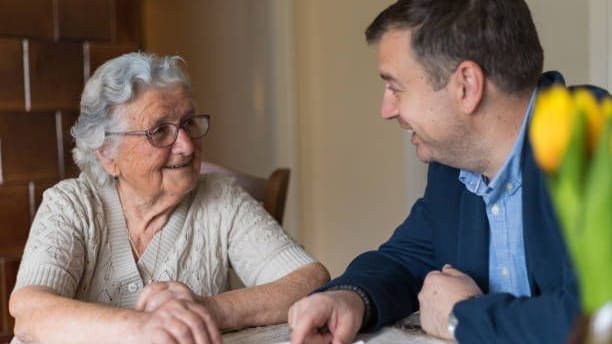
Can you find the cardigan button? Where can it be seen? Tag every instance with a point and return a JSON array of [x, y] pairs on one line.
[[132, 287]]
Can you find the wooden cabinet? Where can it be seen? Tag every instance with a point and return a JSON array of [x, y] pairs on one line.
[[27, 18], [47, 50], [11, 74]]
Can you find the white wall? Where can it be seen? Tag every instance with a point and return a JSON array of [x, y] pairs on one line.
[[577, 37], [600, 47]]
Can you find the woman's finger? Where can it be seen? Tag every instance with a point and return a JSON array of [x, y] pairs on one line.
[[155, 301], [179, 330], [197, 324], [148, 292], [209, 320]]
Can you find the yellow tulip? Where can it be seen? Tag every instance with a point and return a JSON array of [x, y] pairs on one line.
[[551, 125], [586, 103]]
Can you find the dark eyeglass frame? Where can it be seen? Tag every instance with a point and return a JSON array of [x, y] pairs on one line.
[[178, 126]]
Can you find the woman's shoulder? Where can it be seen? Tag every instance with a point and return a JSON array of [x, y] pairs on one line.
[[218, 190], [216, 184], [75, 190]]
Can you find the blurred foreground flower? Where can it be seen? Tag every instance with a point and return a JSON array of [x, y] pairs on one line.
[[571, 135]]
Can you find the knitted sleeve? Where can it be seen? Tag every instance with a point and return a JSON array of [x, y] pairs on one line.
[[55, 250], [260, 251]]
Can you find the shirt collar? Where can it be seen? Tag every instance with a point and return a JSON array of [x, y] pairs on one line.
[[508, 179]]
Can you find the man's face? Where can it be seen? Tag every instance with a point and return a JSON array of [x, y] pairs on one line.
[[439, 131]]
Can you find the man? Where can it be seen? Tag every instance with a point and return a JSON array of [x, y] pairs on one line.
[[480, 255]]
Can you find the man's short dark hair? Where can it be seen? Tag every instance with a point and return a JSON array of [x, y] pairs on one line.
[[499, 35]]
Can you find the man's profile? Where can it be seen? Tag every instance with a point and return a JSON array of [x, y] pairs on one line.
[[480, 255]]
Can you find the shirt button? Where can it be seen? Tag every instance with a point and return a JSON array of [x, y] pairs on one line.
[[509, 186], [504, 271], [132, 287], [495, 209]]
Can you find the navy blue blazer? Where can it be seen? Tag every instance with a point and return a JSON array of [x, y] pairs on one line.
[[449, 225]]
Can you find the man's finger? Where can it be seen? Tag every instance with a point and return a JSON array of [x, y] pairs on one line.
[[346, 329], [304, 328], [449, 270]]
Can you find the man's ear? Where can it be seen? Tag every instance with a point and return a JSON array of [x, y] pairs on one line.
[[470, 83], [107, 161]]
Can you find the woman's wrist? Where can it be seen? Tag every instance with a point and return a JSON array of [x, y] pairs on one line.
[[131, 324], [216, 311]]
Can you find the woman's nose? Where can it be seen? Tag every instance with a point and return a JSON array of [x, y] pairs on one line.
[[183, 144]]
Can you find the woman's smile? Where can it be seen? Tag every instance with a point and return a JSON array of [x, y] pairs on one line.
[[182, 164]]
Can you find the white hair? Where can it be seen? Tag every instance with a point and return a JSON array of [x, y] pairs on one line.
[[117, 82]]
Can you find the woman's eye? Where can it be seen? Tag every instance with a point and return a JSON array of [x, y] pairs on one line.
[[189, 123], [160, 130]]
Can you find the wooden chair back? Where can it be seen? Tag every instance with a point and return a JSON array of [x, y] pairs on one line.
[[8, 274], [270, 191]]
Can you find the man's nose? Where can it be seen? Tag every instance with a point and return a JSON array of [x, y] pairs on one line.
[[389, 107]]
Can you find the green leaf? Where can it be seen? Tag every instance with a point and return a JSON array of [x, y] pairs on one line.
[[596, 231]]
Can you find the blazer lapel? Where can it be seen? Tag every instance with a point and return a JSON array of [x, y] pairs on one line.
[[473, 239], [544, 246]]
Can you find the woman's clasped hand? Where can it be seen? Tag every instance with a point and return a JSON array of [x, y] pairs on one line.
[[172, 313]]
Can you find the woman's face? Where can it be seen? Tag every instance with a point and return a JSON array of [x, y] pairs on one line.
[[149, 172]]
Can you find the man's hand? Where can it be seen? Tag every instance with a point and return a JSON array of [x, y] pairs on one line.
[[441, 291], [327, 317]]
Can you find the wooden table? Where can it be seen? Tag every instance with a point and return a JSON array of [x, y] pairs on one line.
[[405, 331]]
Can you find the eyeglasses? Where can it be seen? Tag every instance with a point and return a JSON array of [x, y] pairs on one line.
[[165, 134]]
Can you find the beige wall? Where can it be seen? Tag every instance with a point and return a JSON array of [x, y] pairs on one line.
[[351, 160], [240, 59], [293, 83]]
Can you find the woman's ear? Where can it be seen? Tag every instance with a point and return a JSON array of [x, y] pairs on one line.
[[470, 81], [107, 160]]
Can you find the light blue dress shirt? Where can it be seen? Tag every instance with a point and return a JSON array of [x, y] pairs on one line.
[[504, 204]]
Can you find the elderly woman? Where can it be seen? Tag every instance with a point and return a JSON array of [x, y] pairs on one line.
[[137, 249]]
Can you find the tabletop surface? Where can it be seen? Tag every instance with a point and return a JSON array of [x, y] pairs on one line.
[[405, 331]]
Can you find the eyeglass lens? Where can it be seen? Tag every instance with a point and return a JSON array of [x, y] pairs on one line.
[[165, 134]]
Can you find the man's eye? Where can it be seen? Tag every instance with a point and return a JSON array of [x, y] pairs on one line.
[[393, 89]]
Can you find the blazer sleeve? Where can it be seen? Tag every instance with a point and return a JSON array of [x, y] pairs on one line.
[[504, 318], [392, 276]]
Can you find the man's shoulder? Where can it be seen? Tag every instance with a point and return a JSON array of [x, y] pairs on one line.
[[551, 78]]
